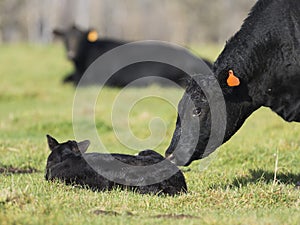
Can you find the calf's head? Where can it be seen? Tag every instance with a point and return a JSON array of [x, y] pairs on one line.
[[62, 151]]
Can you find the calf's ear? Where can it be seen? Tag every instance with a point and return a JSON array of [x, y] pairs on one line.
[[52, 143], [83, 145]]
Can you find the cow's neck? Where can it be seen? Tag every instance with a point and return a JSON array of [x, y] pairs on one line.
[[266, 60], [249, 55]]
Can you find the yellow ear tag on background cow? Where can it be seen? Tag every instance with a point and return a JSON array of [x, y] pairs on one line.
[[92, 36], [232, 80]]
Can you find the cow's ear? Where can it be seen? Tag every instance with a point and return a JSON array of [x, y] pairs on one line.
[[75, 27], [92, 36], [83, 145], [58, 32], [52, 143]]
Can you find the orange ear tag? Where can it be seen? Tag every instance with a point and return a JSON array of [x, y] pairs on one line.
[[232, 80], [92, 36]]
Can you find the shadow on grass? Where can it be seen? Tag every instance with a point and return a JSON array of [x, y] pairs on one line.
[[160, 216], [104, 212], [7, 170], [262, 176], [176, 216]]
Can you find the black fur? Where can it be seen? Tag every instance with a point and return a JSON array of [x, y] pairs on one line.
[[265, 56], [83, 52], [68, 162]]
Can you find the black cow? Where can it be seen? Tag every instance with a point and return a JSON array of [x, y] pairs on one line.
[[68, 162], [84, 47], [259, 66]]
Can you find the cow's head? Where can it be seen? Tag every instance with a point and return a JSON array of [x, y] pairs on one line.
[[208, 118], [62, 151], [73, 37]]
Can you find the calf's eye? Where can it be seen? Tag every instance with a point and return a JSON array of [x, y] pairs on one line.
[[196, 112]]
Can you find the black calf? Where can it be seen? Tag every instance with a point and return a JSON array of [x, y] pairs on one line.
[[69, 163]]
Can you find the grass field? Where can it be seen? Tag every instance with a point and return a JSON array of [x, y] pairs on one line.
[[236, 188]]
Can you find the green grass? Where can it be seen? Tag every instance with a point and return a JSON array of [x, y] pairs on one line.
[[236, 188]]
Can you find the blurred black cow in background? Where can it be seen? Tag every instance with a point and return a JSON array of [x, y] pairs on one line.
[[84, 47]]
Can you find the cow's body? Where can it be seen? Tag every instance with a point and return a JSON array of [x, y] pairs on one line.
[[68, 162], [83, 53], [265, 58]]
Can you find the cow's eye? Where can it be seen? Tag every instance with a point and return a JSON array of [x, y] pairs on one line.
[[196, 112]]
